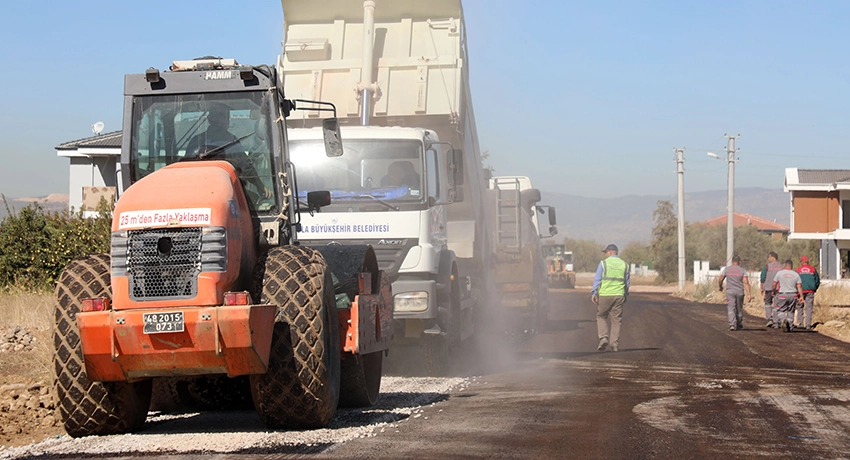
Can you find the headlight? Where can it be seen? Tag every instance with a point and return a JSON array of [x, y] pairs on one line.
[[411, 301]]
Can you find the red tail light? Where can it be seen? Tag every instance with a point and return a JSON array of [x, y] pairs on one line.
[[237, 298], [97, 304]]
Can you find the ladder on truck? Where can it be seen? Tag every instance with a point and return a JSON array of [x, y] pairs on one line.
[[508, 209]]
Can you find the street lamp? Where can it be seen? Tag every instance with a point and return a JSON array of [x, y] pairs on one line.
[[730, 206]]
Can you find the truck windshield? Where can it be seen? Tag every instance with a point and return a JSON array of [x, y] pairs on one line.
[[216, 126], [382, 169], [556, 250]]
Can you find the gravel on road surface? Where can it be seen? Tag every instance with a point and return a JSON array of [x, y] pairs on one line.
[[241, 432]]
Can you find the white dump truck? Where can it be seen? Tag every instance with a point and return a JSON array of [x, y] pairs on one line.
[[411, 183], [519, 264]]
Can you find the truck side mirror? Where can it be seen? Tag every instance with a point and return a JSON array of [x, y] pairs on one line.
[[457, 161], [553, 230], [333, 139], [318, 199], [552, 220]]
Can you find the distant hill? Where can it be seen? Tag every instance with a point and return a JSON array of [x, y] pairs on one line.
[[52, 202], [629, 218], [619, 220]]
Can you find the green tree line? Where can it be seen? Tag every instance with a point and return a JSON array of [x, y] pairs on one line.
[[38, 244], [701, 243]]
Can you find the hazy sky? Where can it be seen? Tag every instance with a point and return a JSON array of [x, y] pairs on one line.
[[587, 98]]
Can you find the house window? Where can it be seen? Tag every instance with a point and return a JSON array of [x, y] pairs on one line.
[[845, 213]]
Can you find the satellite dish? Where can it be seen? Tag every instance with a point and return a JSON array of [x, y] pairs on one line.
[[97, 128]]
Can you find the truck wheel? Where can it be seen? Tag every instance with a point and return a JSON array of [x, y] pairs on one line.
[[361, 379], [437, 347], [86, 407], [436, 350], [301, 388]]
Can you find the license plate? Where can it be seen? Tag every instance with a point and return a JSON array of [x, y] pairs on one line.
[[159, 323]]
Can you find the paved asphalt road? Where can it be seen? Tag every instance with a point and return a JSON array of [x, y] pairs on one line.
[[681, 386]]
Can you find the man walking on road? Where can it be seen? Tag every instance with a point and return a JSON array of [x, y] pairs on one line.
[[767, 273], [811, 282], [737, 283], [788, 287], [610, 289]]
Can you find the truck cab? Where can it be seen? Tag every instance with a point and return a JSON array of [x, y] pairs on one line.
[[389, 190]]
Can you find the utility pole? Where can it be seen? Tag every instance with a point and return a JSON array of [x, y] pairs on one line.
[[730, 217], [680, 170]]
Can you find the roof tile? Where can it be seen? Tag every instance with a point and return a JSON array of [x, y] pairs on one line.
[[822, 176], [108, 140], [748, 219]]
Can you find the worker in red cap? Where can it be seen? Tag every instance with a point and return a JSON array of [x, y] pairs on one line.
[[811, 282]]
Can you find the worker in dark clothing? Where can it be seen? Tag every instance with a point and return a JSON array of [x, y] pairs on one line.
[[217, 142], [401, 174], [737, 284], [787, 286], [811, 283], [767, 274]]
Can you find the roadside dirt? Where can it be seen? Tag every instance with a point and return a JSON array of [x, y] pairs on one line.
[[27, 402], [27, 413]]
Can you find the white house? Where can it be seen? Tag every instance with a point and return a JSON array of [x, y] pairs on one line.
[[820, 210], [93, 170]]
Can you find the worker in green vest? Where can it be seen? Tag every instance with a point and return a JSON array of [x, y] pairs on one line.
[[610, 289]]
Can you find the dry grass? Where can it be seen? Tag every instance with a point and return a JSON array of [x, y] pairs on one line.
[[644, 281], [32, 311]]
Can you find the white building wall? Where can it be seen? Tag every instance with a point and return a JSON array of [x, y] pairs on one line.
[[103, 174], [95, 171], [80, 176]]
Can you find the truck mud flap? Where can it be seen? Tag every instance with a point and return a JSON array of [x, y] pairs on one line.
[[367, 326]]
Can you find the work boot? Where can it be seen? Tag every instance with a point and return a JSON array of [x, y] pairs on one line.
[[603, 342], [615, 348], [733, 328], [769, 324], [786, 325]]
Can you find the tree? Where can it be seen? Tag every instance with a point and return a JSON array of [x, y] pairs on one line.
[[664, 244], [586, 254], [489, 170], [752, 247], [637, 253]]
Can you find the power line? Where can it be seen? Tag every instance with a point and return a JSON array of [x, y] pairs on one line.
[[797, 155], [707, 170]]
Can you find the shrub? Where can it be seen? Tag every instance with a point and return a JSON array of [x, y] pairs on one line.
[[38, 244]]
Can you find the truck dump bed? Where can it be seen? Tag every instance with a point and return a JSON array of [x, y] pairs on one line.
[[419, 63]]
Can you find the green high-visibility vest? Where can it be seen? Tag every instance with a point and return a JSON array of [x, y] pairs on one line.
[[613, 277]]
